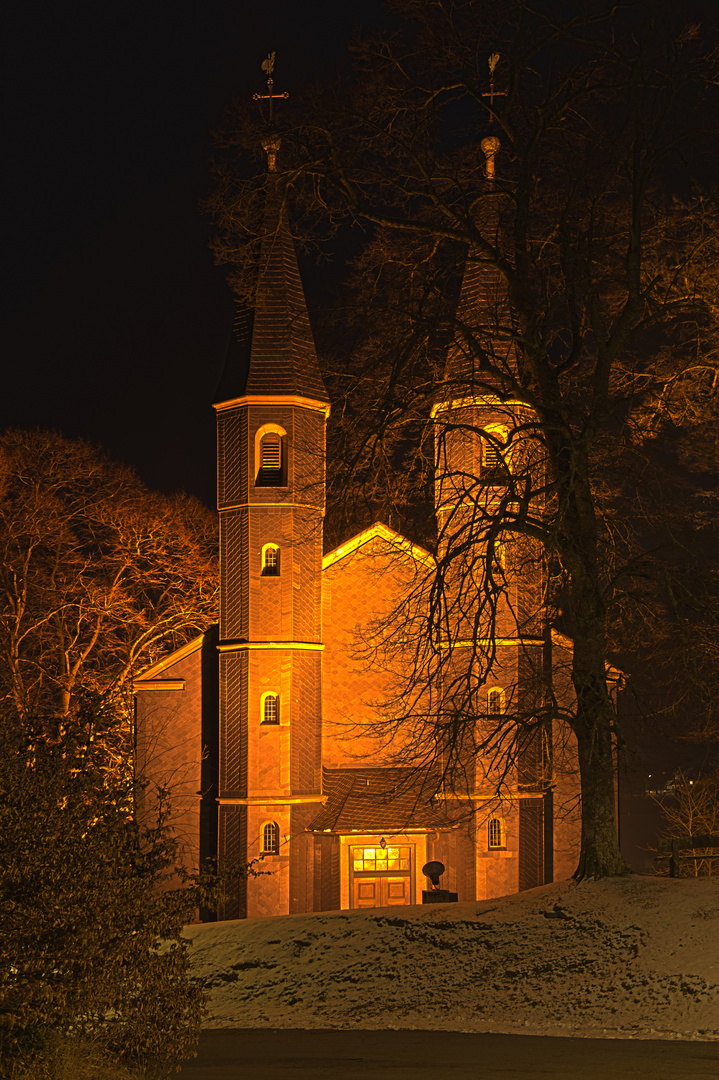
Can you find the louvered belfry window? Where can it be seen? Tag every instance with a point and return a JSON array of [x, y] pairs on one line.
[[494, 464], [271, 452], [271, 470], [491, 455]]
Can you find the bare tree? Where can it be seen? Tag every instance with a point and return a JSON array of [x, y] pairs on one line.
[[692, 809], [592, 330], [98, 575]]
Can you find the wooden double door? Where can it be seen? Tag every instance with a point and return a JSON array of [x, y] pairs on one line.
[[381, 877]]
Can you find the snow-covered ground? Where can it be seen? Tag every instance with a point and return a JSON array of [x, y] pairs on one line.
[[634, 957]]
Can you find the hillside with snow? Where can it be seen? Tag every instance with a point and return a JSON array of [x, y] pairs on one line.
[[634, 957]]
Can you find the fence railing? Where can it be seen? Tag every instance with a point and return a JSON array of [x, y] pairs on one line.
[[673, 846]]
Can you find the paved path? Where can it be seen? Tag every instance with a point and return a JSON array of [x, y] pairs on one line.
[[239, 1054]]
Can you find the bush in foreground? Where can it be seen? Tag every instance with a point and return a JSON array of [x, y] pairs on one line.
[[90, 945]]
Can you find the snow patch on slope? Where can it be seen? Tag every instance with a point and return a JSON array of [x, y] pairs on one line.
[[625, 957]]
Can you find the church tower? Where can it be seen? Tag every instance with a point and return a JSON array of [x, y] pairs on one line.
[[489, 473], [271, 419]]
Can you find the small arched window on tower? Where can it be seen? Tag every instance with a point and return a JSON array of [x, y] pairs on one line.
[[270, 709], [270, 560], [496, 834], [270, 838], [499, 561], [495, 701], [270, 465], [495, 456]]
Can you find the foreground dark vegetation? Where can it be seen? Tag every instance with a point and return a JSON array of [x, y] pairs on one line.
[[93, 970]]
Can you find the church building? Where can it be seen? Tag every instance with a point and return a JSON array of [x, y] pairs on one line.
[[265, 728]]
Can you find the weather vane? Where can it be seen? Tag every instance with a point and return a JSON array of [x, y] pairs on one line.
[[268, 65], [491, 93], [491, 144]]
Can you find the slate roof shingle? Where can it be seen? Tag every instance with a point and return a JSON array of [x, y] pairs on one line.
[[378, 800], [271, 350], [483, 290]]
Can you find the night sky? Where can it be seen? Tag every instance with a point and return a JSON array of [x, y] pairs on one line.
[[115, 318]]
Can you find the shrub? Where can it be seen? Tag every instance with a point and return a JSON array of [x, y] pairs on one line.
[[90, 943]]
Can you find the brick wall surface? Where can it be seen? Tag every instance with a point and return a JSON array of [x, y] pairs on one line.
[[234, 567], [497, 870], [232, 460], [301, 859], [306, 729], [268, 894], [531, 843], [233, 853], [308, 456], [360, 588], [233, 724], [169, 750], [456, 849], [326, 878]]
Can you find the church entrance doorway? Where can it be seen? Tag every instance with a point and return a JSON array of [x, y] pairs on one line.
[[381, 876]]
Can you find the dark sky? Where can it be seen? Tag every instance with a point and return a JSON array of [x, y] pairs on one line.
[[115, 319]]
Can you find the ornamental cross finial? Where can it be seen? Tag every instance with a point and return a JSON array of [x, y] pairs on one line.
[[268, 66], [491, 93]]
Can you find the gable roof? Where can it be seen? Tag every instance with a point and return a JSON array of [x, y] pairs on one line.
[[378, 531], [271, 350], [379, 800], [168, 661]]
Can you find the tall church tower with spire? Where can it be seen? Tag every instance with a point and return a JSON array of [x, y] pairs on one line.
[[271, 420], [489, 474]]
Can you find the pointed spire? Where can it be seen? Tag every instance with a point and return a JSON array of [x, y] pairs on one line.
[[483, 309], [272, 351]]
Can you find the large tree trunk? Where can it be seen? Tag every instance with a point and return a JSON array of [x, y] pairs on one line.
[[595, 717], [593, 726], [600, 854]]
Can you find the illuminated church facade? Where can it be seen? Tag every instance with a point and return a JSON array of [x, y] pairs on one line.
[[258, 726]]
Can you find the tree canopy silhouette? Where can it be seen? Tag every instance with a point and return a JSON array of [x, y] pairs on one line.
[[590, 221]]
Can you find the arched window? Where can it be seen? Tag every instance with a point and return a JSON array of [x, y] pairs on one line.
[[270, 560], [495, 701], [270, 838], [270, 466], [496, 834], [498, 558], [270, 706], [495, 459]]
